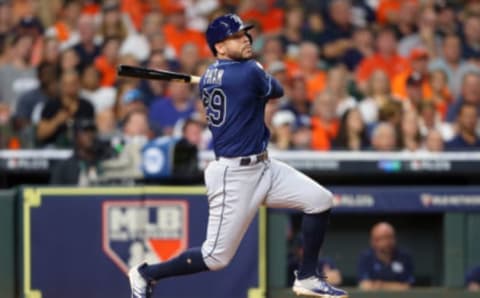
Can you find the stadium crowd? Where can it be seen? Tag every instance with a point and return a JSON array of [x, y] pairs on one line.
[[380, 75]]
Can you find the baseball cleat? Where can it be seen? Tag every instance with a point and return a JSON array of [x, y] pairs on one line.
[[141, 288], [317, 287]]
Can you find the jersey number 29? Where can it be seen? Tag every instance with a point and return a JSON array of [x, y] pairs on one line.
[[215, 103]]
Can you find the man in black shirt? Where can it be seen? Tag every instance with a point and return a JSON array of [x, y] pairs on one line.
[[58, 115]]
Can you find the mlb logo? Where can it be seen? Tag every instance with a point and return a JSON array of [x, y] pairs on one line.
[[144, 231]]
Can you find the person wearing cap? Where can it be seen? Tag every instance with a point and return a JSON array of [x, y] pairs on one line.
[[419, 59], [283, 123], [82, 167]]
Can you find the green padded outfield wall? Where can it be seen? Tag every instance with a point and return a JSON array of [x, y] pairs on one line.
[[7, 238]]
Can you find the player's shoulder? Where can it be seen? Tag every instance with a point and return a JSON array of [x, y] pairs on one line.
[[254, 65]]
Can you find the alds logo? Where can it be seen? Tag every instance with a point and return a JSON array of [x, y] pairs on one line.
[[144, 231]]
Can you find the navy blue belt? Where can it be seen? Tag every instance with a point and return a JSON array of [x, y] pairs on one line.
[[247, 160]]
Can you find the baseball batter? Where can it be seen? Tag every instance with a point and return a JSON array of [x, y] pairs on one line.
[[234, 91]]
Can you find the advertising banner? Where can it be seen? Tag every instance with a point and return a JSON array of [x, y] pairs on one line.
[[80, 243]]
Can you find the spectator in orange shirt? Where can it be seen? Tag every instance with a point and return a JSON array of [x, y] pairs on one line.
[[136, 10], [324, 121], [106, 63], [386, 58], [177, 34], [419, 65], [65, 26], [388, 11], [308, 66], [270, 17]]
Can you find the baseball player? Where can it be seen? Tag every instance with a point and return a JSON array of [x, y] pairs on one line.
[[234, 91]]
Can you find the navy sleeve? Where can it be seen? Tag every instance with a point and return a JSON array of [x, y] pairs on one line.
[[268, 87], [363, 268], [408, 274], [473, 276]]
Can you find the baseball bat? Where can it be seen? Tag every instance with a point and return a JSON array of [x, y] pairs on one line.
[[155, 74]]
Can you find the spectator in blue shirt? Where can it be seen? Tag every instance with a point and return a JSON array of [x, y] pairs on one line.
[[466, 138], [384, 266], [166, 111], [472, 279]]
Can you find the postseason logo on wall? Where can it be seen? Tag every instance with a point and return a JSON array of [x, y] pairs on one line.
[[144, 231]]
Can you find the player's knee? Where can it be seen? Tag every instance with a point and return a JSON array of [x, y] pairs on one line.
[[215, 263], [323, 200]]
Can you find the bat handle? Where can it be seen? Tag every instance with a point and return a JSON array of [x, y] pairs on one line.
[[194, 79]]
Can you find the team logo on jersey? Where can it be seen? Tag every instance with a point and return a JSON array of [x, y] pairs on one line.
[[144, 231]]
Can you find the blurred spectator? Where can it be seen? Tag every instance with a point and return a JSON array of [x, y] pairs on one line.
[[189, 58], [126, 164], [414, 93], [424, 38], [278, 70], [272, 51], [270, 17], [309, 67], [114, 23], [177, 33], [466, 138], [441, 95], [291, 36], [314, 28], [107, 62], [471, 36], [17, 76], [31, 26], [64, 28], [58, 115], [450, 61], [405, 22], [48, 90], [431, 119], [410, 133], [324, 121], [198, 11], [470, 93], [69, 61], [138, 44], [447, 20], [385, 58], [362, 47], [82, 167], [6, 18], [128, 99], [298, 102], [384, 137], [302, 137], [337, 84], [87, 49], [101, 97], [165, 112], [337, 37], [433, 141], [418, 59], [352, 134], [384, 266], [377, 95], [153, 88], [51, 51], [283, 123], [472, 279]]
